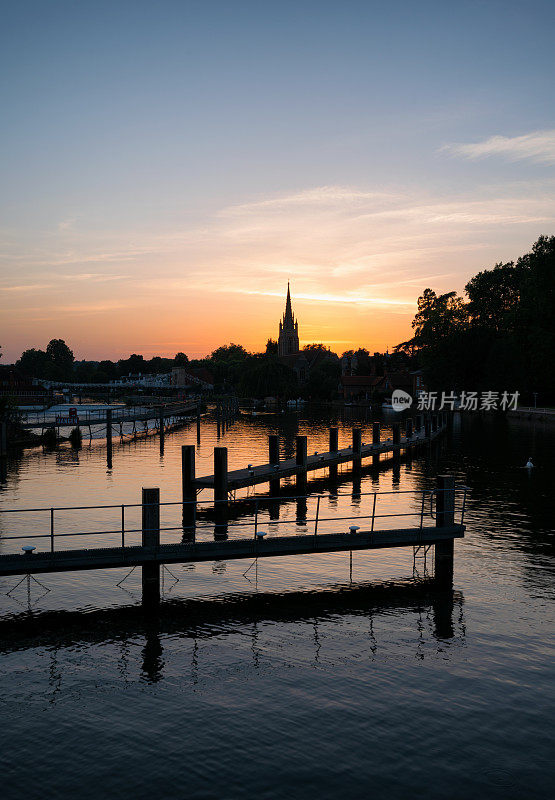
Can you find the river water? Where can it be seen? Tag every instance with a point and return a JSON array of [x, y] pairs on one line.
[[306, 676]]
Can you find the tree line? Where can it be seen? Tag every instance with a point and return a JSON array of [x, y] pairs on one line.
[[57, 363], [230, 367], [500, 336]]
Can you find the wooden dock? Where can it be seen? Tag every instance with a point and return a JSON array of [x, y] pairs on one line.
[[114, 416], [151, 553], [263, 473], [224, 482], [194, 552]]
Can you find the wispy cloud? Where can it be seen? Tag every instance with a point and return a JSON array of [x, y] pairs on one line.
[[538, 146], [358, 258], [66, 224]]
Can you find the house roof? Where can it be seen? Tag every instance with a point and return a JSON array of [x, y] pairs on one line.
[[361, 380]]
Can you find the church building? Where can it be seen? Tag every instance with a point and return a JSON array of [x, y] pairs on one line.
[[288, 342]]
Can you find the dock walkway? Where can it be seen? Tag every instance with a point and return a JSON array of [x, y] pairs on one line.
[[193, 552], [114, 416], [264, 473], [151, 552]]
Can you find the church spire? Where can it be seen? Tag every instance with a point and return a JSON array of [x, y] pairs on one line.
[[288, 316], [288, 341]]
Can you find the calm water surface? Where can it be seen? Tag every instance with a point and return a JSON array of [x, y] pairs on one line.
[[298, 679]]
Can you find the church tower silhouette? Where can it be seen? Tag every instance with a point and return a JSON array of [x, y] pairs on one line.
[[288, 339]]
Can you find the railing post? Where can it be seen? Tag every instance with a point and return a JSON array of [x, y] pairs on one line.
[[374, 511], [151, 540], [317, 515], [51, 530], [445, 517], [122, 527]]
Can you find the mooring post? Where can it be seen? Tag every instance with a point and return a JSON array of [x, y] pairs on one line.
[[220, 483], [302, 461], [3, 438], [220, 474], [445, 516], [357, 449], [427, 426], [151, 539], [334, 447], [375, 441], [396, 427], [188, 489], [434, 423], [273, 460], [408, 437], [161, 424], [109, 437], [418, 422]]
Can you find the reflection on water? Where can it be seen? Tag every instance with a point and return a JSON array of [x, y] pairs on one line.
[[435, 615], [306, 676]]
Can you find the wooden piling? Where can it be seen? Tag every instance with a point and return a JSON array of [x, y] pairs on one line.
[[109, 437], [301, 451], [188, 490], [445, 515], [357, 448], [3, 438], [220, 474], [161, 424], [376, 434], [334, 447], [427, 426], [408, 428], [273, 459], [151, 539], [396, 440]]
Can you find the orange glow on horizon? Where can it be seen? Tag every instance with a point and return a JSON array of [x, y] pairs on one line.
[[202, 323]]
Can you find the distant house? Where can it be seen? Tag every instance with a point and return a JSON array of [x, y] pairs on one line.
[[364, 387], [24, 391], [360, 387], [183, 378]]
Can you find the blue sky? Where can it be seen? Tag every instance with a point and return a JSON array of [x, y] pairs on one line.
[[159, 158]]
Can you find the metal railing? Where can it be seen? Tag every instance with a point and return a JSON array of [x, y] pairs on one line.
[[422, 511], [119, 414]]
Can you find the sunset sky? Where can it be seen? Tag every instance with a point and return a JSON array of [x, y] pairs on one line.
[[167, 167]]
